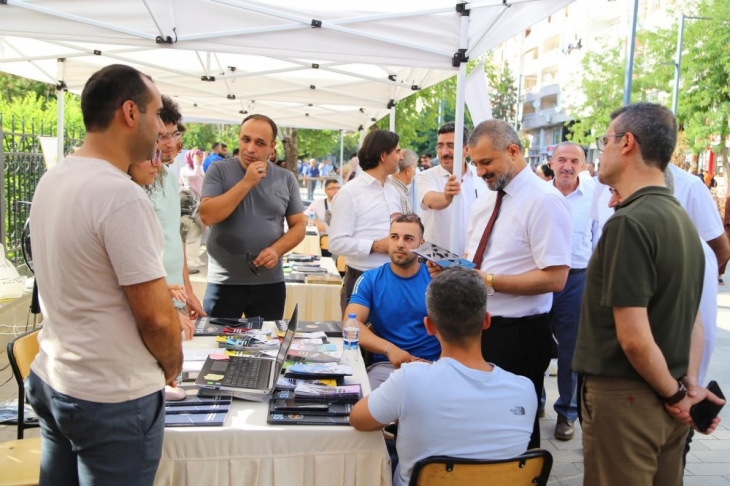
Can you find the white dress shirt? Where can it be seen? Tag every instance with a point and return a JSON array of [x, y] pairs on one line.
[[580, 202], [319, 209], [695, 198], [532, 232], [600, 212], [437, 223], [361, 215]]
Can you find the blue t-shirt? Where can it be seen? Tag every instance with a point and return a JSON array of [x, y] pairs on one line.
[[210, 159], [397, 308]]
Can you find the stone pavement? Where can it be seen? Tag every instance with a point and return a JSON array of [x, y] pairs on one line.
[[708, 463]]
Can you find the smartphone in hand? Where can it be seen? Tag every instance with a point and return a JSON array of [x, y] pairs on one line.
[[704, 413]]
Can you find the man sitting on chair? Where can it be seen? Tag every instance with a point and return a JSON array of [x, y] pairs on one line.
[[392, 298], [460, 406]]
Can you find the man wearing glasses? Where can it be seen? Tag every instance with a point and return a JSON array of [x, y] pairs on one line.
[[245, 202], [166, 199], [392, 298], [640, 337], [437, 187]]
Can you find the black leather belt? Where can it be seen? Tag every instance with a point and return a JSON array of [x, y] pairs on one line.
[[573, 271]]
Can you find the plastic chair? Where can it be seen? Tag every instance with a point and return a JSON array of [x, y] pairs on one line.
[[21, 352], [20, 462], [532, 467], [341, 264]]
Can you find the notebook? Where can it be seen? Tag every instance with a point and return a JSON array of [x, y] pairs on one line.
[[277, 418], [249, 375], [195, 419]]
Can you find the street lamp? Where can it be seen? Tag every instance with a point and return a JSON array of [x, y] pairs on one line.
[[678, 59]]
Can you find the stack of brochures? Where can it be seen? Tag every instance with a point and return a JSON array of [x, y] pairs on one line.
[[312, 402], [302, 350], [318, 370], [247, 343], [332, 394], [330, 328], [197, 411], [217, 326]]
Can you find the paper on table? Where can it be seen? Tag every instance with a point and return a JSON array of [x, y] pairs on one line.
[[197, 354]]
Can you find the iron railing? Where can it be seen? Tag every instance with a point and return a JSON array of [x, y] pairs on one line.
[[22, 165]]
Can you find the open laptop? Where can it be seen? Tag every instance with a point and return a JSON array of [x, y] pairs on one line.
[[252, 376]]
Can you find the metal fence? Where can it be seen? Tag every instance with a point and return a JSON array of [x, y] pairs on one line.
[[22, 165]]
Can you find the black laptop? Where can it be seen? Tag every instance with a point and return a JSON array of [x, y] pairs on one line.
[[252, 376]]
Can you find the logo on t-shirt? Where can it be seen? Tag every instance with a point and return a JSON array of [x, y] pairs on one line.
[[518, 410]]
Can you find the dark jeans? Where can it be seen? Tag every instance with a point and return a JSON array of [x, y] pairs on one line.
[[521, 346], [88, 443], [265, 301], [348, 284]]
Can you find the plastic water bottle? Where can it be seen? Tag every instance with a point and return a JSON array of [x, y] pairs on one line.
[[351, 340], [310, 221]]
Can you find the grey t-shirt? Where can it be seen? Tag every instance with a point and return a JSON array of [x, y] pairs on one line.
[[255, 224]]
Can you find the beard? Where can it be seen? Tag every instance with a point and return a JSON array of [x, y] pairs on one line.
[[404, 262], [500, 181]]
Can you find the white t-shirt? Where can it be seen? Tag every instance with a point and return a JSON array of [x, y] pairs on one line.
[[448, 409], [533, 231], [360, 215], [695, 198], [94, 231], [579, 202], [437, 223]]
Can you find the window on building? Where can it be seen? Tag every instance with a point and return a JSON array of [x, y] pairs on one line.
[[557, 135]]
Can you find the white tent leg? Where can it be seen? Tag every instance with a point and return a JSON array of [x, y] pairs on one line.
[[457, 232], [342, 154], [61, 97], [392, 119]]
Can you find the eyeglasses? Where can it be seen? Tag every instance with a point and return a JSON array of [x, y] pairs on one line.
[[601, 142], [402, 218], [157, 158], [176, 136], [250, 258]]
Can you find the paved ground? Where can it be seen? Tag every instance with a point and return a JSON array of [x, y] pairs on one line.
[[708, 463]]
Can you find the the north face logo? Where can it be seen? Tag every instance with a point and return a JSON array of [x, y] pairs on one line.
[[518, 410]]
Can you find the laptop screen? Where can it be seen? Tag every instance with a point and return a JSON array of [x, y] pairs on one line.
[[286, 343]]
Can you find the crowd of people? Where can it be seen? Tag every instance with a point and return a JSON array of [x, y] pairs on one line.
[[580, 268]]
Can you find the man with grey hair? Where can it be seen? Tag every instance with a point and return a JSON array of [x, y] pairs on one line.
[[437, 187], [568, 162], [526, 260], [473, 409], [403, 181], [640, 340]]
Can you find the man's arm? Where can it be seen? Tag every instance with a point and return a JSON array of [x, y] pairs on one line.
[[534, 282], [195, 310], [361, 418], [158, 324], [442, 200], [269, 257], [215, 209], [721, 248]]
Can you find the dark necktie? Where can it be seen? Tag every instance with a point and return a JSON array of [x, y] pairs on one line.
[[482, 248]]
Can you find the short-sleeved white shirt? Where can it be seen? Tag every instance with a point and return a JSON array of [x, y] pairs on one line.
[[600, 212], [448, 409], [94, 231], [437, 223], [695, 198], [360, 215], [580, 202], [533, 231]]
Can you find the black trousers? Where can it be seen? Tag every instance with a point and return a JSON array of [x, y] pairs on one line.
[[265, 301], [348, 284], [521, 346]]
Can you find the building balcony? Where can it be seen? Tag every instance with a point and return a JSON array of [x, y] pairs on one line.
[[545, 118]]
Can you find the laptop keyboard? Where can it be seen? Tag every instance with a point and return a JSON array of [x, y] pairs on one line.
[[242, 372]]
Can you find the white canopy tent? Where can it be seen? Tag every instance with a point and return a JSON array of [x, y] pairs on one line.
[[308, 63]]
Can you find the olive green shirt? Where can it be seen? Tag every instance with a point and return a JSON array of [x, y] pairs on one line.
[[649, 255]]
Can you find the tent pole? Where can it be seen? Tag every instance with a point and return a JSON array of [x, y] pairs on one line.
[[342, 154], [392, 119], [458, 201], [61, 100]]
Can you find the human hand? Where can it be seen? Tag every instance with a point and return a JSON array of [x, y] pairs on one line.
[[268, 258], [195, 310], [452, 187], [695, 394], [397, 356], [254, 173], [433, 268], [187, 326], [381, 245], [178, 292]]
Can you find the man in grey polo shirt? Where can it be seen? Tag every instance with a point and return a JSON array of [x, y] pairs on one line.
[[245, 202]]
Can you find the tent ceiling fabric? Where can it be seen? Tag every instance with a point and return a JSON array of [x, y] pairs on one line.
[[286, 55]]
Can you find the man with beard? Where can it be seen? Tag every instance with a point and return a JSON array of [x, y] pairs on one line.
[[392, 298], [437, 187], [526, 259], [110, 338], [245, 202], [166, 199], [567, 163]]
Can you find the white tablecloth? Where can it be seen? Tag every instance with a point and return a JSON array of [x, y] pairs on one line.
[[317, 302], [248, 451], [310, 244]]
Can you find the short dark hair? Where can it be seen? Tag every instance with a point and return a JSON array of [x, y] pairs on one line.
[[215, 145], [547, 170], [427, 154], [456, 301], [375, 144], [223, 145], [329, 182], [170, 111], [451, 128], [107, 90], [353, 155], [235, 152], [274, 128], [181, 128], [500, 133], [408, 218], [654, 127]]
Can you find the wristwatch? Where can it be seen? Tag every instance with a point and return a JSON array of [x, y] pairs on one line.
[[677, 397], [490, 284]]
